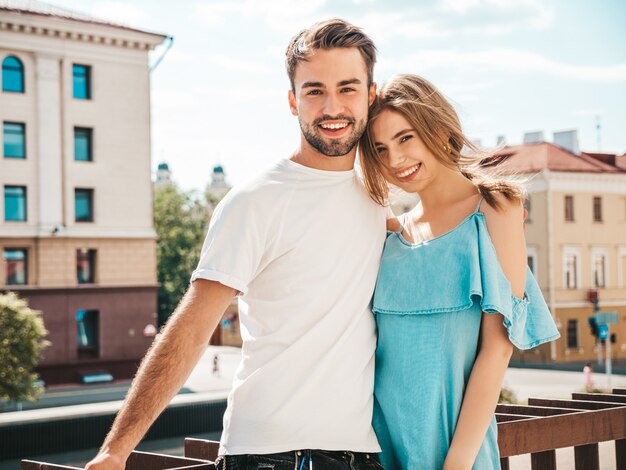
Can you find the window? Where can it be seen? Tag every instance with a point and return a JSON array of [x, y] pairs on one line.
[[571, 268], [14, 138], [572, 334], [599, 260], [82, 144], [531, 263], [16, 266], [569, 208], [528, 207], [81, 75], [83, 205], [15, 203], [12, 75], [597, 209], [87, 333], [570, 272], [621, 267], [531, 257], [599, 271], [86, 266]]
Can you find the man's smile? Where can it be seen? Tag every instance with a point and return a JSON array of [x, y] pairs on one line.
[[334, 128]]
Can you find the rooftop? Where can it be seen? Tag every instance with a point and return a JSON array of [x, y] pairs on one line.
[[536, 157]]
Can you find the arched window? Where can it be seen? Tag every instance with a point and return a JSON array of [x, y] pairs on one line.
[[12, 74]]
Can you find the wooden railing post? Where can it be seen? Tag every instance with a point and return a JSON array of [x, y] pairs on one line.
[[543, 460], [620, 454], [587, 457]]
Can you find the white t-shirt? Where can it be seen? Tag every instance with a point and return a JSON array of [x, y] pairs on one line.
[[303, 247]]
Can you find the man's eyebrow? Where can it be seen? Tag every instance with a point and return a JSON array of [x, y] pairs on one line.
[[352, 81], [313, 85], [398, 134]]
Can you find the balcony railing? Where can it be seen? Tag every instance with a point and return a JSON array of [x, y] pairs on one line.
[[538, 429]]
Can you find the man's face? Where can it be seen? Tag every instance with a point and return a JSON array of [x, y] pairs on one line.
[[331, 99]]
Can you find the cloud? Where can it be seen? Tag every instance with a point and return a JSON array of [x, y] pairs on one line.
[[386, 25], [231, 64], [237, 94], [451, 18], [278, 14], [510, 60], [463, 91], [119, 12]]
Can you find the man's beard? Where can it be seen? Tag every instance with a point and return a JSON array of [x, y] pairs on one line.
[[336, 147]]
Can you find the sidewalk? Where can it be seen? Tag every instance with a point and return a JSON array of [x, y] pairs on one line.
[[527, 383], [618, 366]]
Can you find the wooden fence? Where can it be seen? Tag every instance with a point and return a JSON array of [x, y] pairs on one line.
[[538, 429]]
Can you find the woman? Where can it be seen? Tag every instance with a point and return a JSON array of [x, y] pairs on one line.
[[454, 293]]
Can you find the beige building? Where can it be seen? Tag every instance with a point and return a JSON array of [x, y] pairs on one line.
[[76, 230], [576, 239]]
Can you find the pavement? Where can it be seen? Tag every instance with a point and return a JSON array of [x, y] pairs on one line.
[[204, 385], [535, 383], [202, 379], [618, 366]]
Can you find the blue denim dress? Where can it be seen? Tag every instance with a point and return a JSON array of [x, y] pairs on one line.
[[428, 302]]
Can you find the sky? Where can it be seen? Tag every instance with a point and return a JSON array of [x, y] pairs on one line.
[[219, 96]]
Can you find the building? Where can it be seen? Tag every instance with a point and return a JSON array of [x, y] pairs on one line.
[[576, 240], [76, 231], [164, 175], [217, 188]]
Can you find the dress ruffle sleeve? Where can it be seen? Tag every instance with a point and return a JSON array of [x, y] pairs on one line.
[[528, 320]]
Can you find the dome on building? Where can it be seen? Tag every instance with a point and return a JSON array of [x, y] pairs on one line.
[[218, 169], [163, 166]]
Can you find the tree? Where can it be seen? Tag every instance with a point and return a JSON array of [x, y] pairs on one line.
[[180, 220], [22, 340]]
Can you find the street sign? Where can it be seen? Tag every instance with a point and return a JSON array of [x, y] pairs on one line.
[[606, 317], [603, 331]]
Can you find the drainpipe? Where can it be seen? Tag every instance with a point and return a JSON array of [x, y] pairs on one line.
[[551, 279]]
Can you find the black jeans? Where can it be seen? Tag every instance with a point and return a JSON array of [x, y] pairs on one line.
[[301, 460]]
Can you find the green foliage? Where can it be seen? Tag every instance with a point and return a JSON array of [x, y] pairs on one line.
[[180, 220], [507, 396], [21, 341]]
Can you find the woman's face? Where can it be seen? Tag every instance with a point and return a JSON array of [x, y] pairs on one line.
[[407, 162]]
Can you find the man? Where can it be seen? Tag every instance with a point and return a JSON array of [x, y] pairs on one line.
[[301, 243]]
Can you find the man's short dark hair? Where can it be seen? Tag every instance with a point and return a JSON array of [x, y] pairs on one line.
[[329, 34]]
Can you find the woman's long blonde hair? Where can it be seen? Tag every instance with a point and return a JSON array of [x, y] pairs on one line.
[[437, 124]]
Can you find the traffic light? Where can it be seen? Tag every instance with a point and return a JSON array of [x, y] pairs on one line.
[[593, 324]]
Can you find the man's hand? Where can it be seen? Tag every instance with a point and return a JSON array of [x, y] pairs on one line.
[[165, 368], [106, 461]]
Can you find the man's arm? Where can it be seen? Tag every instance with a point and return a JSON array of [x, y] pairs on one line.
[[164, 370]]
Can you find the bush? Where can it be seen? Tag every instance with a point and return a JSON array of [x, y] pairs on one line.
[[21, 342], [507, 396]]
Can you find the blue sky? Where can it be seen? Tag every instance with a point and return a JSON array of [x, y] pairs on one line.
[[509, 66]]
